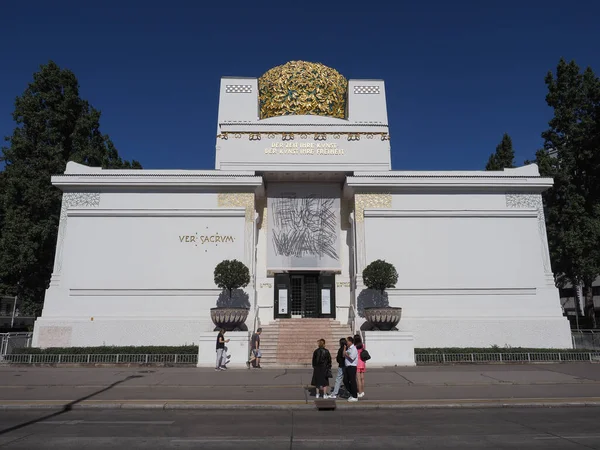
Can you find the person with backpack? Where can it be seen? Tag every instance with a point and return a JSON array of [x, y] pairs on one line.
[[321, 362], [361, 367], [341, 360]]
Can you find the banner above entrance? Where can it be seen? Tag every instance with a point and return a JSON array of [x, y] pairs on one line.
[[303, 227]]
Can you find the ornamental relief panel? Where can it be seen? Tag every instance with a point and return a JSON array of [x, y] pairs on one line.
[[238, 200], [71, 200], [533, 201], [380, 200]]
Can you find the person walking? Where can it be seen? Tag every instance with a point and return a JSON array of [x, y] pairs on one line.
[[221, 341], [321, 362], [361, 367], [351, 355], [341, 360], [255, 354]]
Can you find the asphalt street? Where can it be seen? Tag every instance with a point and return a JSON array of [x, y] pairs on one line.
[[473, 385], [526, 428]]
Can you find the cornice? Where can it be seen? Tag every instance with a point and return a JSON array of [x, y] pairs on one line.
[[178, 180], [456, 181]]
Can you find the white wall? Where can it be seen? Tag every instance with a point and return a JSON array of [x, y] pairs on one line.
[[457, 252], [149, 252], [471, 270]]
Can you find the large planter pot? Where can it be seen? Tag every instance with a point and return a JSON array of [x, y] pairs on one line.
[[230, 319], [383, 318]]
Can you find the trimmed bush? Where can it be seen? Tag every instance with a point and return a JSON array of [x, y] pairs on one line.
[[380, 275], [106, 350]]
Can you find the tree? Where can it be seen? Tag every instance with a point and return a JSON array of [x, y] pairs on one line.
[[571, 156], [54, 126], [504, 157], [231, 274], [380, 275]]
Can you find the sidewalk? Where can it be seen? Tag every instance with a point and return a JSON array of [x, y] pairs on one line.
[[414, 387]]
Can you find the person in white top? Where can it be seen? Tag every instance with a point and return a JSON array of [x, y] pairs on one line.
[[351, 355]]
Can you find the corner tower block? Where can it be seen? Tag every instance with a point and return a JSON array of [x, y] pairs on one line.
[[366, 102]]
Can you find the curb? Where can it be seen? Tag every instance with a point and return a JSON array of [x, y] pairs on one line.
[[300, 405]]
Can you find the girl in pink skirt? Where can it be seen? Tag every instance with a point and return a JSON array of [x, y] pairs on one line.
[[361, 367]]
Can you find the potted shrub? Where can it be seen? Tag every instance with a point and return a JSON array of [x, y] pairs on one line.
[[231, 311], [379, 276]]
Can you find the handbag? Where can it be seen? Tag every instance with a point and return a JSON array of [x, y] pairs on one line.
[[329, 374], [364, 355]]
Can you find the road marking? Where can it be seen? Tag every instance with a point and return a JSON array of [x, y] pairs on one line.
[[581, 436], [240, 441], [109, 422], [270, 439]]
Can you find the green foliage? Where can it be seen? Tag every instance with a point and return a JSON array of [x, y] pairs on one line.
[[231, 274], [380, 275], [504, 157], [572, 158], [109, 350], [54, 126]]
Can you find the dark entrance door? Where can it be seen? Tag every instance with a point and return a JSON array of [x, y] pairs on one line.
[[304, 294]]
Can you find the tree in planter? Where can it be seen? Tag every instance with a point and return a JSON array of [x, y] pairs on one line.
[[380, 275], [231, 275]]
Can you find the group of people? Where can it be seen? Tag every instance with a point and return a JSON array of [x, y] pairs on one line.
[[223, 357], [351, 359], [351, 369]]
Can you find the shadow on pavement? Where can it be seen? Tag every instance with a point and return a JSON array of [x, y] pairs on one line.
[[67, 407]]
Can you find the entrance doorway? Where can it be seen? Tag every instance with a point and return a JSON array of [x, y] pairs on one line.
[[304, 295]]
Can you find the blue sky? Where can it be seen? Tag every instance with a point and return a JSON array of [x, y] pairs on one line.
[[458, 73]]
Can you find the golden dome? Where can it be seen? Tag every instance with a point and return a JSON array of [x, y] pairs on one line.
[[301, 88]]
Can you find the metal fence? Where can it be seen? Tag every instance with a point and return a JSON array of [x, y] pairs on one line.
[[10, 341], [420, 359], [102, 359], [586, 339], [456, 358]]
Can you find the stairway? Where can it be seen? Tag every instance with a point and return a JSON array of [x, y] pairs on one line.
[[291, 342]]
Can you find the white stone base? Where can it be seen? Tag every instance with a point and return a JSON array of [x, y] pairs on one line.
[[485, 332], [54, 332], [390, 348], [238, 348]]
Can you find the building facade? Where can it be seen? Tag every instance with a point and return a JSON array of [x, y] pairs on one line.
[[304, 194]]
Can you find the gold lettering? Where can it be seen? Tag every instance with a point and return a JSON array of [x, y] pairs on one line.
[[203, 239]]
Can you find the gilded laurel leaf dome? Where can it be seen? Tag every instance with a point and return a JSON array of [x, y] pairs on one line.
[[302, 88]]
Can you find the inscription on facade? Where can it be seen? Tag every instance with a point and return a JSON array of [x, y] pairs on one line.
[[206, 239], [304, 148]]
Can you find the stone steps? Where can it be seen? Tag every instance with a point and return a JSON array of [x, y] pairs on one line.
[[291, 342]]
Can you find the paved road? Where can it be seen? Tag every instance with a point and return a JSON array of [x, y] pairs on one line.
[[26, 386], [529, 428]]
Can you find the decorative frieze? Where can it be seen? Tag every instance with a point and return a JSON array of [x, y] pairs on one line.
[[238, 200], [238, 89], [370, 201], [534, 201], [367, 90], [71, 200], [290, 136]]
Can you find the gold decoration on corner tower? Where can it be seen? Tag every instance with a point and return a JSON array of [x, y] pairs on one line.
[[302, 88]]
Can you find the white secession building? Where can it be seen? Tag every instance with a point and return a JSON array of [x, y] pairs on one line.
[[304, 194]]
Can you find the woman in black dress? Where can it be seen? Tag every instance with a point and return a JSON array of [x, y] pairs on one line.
[[321, 363]]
